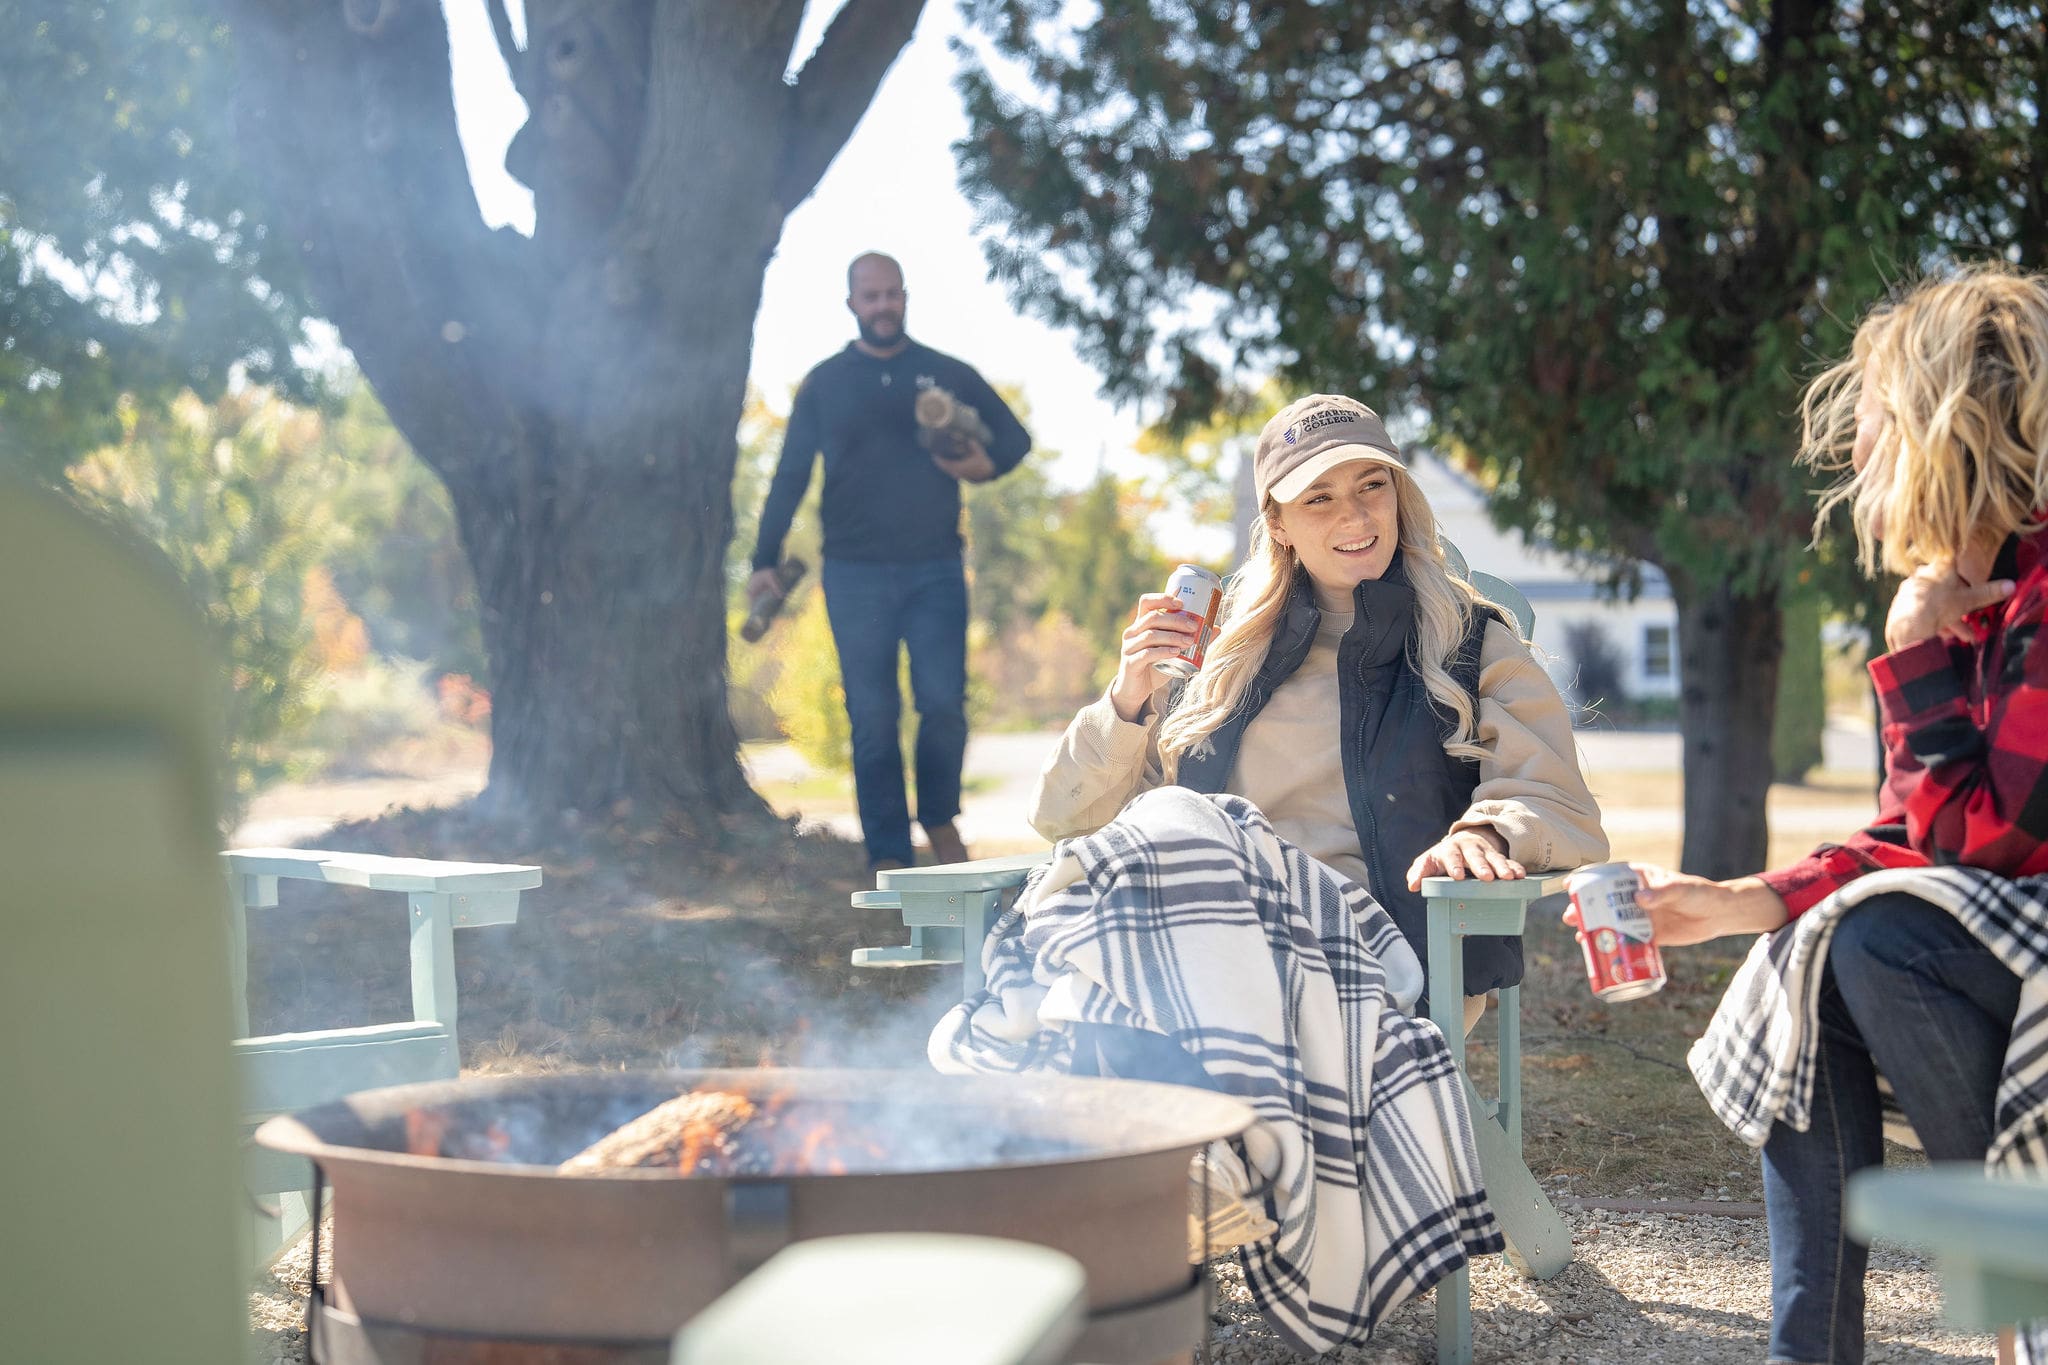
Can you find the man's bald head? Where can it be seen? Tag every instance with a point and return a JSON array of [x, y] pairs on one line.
[[870, 262], [874, 294]]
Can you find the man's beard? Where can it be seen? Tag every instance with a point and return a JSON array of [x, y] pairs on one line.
[[875, 338]]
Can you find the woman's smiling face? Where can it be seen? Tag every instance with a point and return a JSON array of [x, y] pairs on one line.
[[1345, 527]]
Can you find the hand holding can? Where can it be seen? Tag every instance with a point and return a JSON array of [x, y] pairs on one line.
[[1199, 594], [1159, 630], [1622, 961]]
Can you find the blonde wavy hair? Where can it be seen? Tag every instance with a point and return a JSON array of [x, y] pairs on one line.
[[1960, 367], [1256, 600]]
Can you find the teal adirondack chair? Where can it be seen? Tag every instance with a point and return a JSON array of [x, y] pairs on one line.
[[949, 910], [896, 1296], [1989, 1237], [118, 1174], [282, 1072]]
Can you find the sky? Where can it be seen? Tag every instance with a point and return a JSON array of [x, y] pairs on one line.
[[892, 189]]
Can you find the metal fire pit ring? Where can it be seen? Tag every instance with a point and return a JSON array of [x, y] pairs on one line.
[[447, 1259], [1143, 1332]]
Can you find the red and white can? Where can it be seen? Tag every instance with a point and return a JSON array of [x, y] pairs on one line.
[[1201, 594], [1622, 961]]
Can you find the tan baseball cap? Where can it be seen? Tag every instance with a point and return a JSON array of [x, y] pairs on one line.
[[1312, 436]]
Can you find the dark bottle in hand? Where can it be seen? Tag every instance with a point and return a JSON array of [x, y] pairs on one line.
[[763, 606]]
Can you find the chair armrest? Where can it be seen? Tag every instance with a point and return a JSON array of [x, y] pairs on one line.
[[480, 893], [983, 874], [905, 1296], [1479, 907], [375, 872], [1989, 1237], [1953, 1207]]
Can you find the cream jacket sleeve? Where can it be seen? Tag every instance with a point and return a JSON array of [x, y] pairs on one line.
[[1100, 763], [1530, 787]]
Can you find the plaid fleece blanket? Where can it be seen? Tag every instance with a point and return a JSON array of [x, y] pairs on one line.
[[1755, 1062], [1188, 916]]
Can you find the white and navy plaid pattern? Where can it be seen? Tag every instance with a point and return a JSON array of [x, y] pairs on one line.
[[1189, 917], [1756, 1061]]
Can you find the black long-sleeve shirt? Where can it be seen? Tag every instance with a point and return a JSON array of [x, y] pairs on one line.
[[884, 499]]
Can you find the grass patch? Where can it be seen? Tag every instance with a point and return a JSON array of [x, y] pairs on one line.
[[1610, 1109], [641, 948], [1649, 790]]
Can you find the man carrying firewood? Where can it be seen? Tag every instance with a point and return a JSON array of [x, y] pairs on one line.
[[893, 576]]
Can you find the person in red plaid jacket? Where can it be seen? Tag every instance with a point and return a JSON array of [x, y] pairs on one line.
[[1942, 411]]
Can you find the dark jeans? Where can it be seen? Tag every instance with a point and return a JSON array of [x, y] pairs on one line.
[[1908, 989], [874, 609]]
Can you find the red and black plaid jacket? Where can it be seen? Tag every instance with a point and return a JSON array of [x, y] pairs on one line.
[[1966, 745]]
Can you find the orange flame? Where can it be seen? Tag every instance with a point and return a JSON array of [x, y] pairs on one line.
[[702, 1135], [424, 1129]]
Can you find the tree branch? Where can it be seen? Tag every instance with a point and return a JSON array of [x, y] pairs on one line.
[[515, 58], [359, 144], [836, 86]]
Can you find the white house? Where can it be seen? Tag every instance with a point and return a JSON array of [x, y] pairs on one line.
[[1643, 631]]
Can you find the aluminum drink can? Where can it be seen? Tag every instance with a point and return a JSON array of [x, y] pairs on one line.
[[1200, 593], [1622, 961]]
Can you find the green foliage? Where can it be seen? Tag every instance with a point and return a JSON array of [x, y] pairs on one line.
[[1098, 564], [363, 710], [1802, 712], [1599, 247], [760, 447], [233, 493], [308, 541], [132, 265], [807, 697], [397, 558]]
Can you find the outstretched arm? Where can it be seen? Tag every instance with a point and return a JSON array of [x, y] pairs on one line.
[[792, 476]]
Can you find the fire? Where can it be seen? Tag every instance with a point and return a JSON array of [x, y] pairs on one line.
[[434, 1132], [424, 1130], [708, 1133], [724, 1133]]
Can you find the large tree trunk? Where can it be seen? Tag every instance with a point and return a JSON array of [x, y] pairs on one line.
[[579, 393], [1729, 646], [604, 617]]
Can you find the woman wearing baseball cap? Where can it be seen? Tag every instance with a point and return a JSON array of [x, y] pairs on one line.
[[1382, 714]]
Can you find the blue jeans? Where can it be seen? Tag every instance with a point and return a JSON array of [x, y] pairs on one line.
[[1910, 993], [874, 609]]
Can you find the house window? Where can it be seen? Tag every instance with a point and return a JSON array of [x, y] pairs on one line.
[[1656, 651]]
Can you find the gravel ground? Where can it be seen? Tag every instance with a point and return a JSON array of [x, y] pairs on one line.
[[1641, 1287]]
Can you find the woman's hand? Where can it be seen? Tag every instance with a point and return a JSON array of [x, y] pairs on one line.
[[1481, 852], [1159, 630], [1934, 601], [1687, 909]]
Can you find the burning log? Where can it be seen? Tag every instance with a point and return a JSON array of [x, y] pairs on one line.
[[679, 1134], [720, 1133]]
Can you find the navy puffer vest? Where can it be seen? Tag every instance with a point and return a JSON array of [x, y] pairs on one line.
[[1404, 789]]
